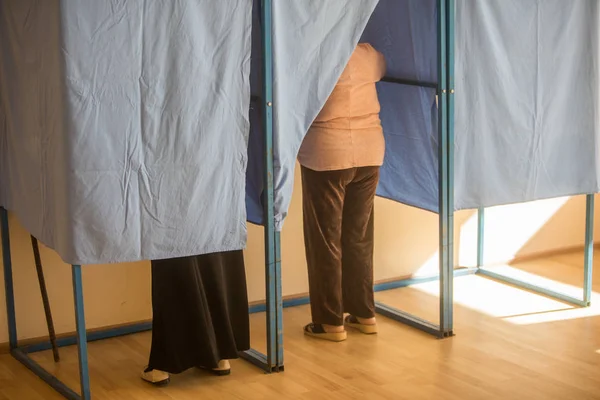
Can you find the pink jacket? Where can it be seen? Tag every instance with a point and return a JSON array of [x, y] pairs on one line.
[[347, 133]]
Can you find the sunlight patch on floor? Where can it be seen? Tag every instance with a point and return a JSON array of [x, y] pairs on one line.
[[512, 304]]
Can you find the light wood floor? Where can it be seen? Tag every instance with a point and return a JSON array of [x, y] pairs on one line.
[[510, 344]]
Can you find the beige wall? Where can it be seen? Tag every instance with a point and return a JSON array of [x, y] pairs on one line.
[[406, 244]]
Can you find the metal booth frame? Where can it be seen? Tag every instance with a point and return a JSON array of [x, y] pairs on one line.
[[273, 360], [445, 88], [445, 94]]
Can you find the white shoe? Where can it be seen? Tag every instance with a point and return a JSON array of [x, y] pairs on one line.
[[224, 368], [156, 377]]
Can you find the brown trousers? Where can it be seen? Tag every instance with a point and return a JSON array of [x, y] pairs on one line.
[[338, 235]]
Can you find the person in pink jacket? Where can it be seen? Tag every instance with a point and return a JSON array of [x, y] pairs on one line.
[[340, 158]]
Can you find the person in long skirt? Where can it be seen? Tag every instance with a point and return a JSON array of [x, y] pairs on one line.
[[200, 314]]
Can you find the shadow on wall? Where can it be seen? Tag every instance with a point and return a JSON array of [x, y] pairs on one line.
[[565, 228], [521, 231]]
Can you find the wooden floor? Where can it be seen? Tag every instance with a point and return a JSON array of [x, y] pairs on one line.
[[510, 344]]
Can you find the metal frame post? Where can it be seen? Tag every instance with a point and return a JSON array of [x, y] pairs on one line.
[[8, 281], [447, 268], [443, 155], [84, 372], [480, 236], [269, 212], [279, 298], [588, 263], [445, 90], [273, 361]]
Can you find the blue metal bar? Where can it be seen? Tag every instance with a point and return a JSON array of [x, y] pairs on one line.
[[588, 264], [396, 284], [8, 281], [445, 22], [47, 377], [534, 288], [447, 277], [295, 302], [443, 173], [410, 82], [91, 336], [409, 319], [380, 287], [269, 213], [84, 373], [480, 236], [279, 299], [257, 359]]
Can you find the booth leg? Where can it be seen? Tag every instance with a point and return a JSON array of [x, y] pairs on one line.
[[84, 374], [45, 299], [589, 249], [8, 281], [480, 236]]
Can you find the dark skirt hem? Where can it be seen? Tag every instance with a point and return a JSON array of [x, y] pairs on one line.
[[200, 307]]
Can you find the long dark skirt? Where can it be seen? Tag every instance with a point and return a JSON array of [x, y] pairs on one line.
[[200, 307]]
